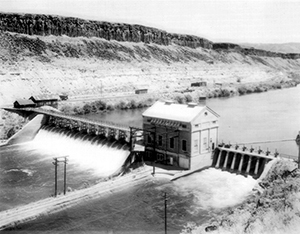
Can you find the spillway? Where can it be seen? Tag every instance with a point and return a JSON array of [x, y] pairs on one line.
[[97, 154]]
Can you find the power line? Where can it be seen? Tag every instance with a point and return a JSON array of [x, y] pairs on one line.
[[261, 142]]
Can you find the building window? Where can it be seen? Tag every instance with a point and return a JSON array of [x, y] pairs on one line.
[[183, 125], [196, 125], [183, 145], [149, 139], [172, 142], [196, 144], [160, 140], [205, 143]]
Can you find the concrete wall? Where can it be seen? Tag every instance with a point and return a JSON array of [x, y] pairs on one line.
[[28, 132]]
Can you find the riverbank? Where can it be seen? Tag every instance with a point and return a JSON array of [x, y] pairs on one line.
[[273, 209], [12, 123]]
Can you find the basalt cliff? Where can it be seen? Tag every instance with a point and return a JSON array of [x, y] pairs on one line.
[[46, 54]]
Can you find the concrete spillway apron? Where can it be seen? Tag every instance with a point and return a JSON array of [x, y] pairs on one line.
[[22, 214]]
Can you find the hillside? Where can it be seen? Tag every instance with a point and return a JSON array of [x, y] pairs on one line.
[[279, 48], [88, 60]]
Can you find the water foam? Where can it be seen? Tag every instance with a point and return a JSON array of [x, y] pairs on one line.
[[214, 188], [102, 157]]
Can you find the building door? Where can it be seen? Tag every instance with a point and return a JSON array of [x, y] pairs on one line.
[[213, 138]]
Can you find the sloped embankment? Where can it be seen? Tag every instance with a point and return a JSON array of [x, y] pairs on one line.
[[93, 66]]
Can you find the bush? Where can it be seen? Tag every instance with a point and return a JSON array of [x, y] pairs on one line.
[[242, 90], [67, 109], [100, 105], [78, 110], [224, 93], [132, 104], [121, 105], [179, 99], [188, 98], [87, 108]]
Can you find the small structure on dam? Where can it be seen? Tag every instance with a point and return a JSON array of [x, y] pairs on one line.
[[180, 135]]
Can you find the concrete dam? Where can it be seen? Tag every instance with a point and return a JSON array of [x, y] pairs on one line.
[[108, 138], [104, 146]]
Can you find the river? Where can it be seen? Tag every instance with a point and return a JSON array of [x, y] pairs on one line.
[[263, 117], [27, 171]]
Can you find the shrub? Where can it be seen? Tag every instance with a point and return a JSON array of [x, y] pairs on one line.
[[78, 110], [133, 104], [242, 90], [225, 93], [67, 109], [121, 105], [188, 98], [180, 99], [100, 105], [87, 108]]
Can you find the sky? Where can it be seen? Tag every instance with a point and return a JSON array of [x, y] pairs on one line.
[[236, 21]]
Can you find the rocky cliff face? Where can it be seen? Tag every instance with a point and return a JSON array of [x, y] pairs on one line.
[[253, 51], [45, 25]]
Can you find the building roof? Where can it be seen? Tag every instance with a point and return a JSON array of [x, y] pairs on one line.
[[43, 98], [176, 112], [24, 102]]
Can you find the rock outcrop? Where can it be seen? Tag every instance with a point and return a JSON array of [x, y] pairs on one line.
[[253, 51], [44, 25]]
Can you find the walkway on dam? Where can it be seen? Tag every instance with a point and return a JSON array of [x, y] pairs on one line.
[[58, 114]]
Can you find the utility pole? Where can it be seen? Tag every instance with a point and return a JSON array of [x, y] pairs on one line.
[[165, 196], [65, 175], [55, 176], [154, 149], [55, 163], [298, 143]]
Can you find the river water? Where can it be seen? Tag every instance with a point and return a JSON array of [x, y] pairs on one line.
[[27, 171], [270, 116]]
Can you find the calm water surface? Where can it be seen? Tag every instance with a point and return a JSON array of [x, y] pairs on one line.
[[269, 116]]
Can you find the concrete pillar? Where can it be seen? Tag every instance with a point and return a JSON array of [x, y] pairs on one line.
[[117, 133], [106, 132], [256, 166], [249, 165], [241, 163], [226, 160], [127, 137], [219, 159], [233, 162]]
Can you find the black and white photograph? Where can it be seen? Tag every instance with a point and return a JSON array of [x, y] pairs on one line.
[[150, 116]]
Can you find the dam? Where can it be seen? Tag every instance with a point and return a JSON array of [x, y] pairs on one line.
[[56, 130], [93, 147]]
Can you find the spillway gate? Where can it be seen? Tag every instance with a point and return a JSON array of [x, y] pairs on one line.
[[58, 119], [241, 161]]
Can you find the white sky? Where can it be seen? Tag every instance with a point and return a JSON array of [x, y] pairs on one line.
[[254, 21]]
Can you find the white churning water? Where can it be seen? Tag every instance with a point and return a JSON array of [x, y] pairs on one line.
[[100, 156], [214, 188]]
